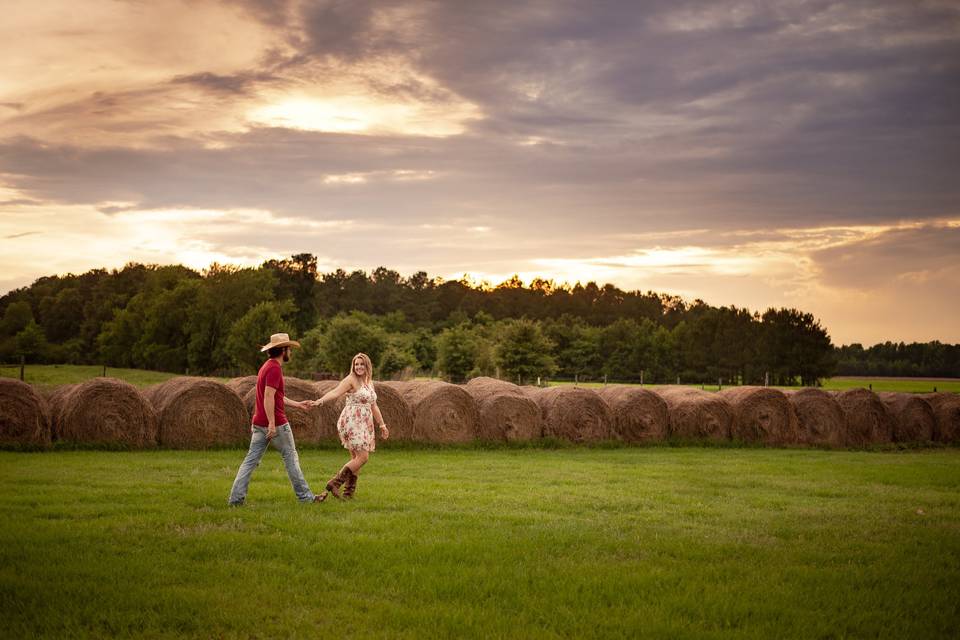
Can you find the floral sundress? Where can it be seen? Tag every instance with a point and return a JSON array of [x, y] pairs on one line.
[[355, 425]]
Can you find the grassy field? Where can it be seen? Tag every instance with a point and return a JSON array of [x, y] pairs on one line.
[[655, 542], [54, 374]]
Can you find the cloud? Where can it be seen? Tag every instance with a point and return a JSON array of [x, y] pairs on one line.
[[791, 152], [910, 255]]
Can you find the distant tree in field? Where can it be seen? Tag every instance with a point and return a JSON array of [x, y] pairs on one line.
[[523, 352], [31, 343], [576, 349], [225, 295], [163, 344], [424, 349], [308, 359], [795, 346], [395, 359], [254, 329], [458, 349], [347, 335], [119, 336], [16, 318], [296, 280]]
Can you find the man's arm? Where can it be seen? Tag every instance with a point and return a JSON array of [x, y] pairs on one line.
[[297, 405], [269, 403]]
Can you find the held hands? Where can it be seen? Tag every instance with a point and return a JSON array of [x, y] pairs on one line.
[[271, 432], [384, 432]]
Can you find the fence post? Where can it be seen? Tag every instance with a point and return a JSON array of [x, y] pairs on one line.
[[104, 371], [678, 379], [576, 379], [719, 384], [641, 377], [604, 379], [766, 379], [23, 361]]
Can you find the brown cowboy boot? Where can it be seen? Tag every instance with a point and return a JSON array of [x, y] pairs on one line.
[[333, 486], [351, 486]]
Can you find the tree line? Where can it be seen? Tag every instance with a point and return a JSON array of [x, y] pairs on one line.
[[172, 318]]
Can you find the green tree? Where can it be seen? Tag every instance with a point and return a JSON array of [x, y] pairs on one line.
[[119, 336], [395, 359], [347, 335], [31, 343], [296, 280], [226, 293], [523, 352], [458, 349], [16, 318], [254, 329], [424, 348]]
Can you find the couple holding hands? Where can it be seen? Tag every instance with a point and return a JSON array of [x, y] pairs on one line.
[[270, 425]]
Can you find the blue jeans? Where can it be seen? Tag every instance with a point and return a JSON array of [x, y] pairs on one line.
[[283, 441]]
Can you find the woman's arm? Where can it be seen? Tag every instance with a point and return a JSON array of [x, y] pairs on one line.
[[345, 385], [378, 420]]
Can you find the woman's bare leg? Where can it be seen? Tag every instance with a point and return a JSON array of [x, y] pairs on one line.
[[358, 458]]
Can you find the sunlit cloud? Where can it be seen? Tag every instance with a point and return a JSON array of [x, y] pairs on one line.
[[797, 156]]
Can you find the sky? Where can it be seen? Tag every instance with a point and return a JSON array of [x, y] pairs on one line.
[[796, 153]]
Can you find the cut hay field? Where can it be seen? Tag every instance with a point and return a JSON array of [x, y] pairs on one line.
[[56, 374], [654, 542], [903, 385]]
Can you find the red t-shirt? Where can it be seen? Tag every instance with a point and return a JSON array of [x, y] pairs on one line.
[[270, 375]]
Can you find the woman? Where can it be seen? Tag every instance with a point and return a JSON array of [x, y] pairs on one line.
[[356, 423]]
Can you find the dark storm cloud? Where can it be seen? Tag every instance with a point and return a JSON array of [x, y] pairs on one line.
[[235, 84], [665, 115]]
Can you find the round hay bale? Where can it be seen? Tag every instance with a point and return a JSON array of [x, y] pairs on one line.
[[54, 398], [914, 420], [309, 426], [505, 412], [395, 410], [197, 413], [820, 420], [241, 386], [761, 414], [697, 414], [573, 413], [442, 412], [639, 415], [946, 410], [868, 419], [104, 411], [24, 419]]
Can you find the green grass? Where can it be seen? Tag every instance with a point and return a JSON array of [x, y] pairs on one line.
[[906, 385], [54, 374], [655, 542]]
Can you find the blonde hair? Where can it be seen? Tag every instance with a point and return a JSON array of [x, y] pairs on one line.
[[369, 366]]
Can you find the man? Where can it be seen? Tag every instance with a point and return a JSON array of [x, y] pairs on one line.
[[270, 424]]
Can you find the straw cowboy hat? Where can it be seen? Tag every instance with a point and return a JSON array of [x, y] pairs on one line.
[[280, 340]]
